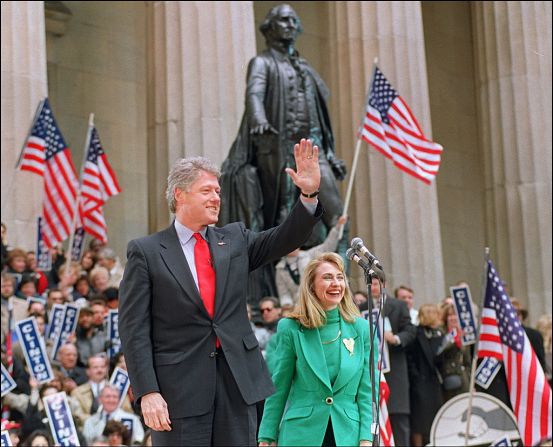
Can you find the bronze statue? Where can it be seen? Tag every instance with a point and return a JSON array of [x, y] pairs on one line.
[[285, 101]]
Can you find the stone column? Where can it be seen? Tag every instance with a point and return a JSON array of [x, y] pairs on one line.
[[197, 57], [395, 214], [24, 84], [513, 61]]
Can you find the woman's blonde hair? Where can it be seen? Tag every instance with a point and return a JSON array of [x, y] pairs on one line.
[[429, 315], [309, 311]]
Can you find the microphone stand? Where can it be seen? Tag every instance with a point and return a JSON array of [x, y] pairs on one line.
[[375, 427]]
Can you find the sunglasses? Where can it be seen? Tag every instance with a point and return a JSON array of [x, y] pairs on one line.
[[267, 309]]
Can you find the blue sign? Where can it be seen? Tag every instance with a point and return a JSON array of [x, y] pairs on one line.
[[6, 440], [8, 383], [68, 326], [129, 423], [486, 371], [56, 320], [113, 332], [465, 314], [78, 242], [120, 380], [43, 256], [61, 421], [34, 350]]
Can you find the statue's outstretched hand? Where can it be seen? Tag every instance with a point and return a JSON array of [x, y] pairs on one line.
[[307, 176]]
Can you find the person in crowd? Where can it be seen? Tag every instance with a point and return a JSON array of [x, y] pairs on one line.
[[68, 277], [398, 339], [99, 311], [32, 269], [95, 245], [109, 400], [82, 286], [321, 373], [11, 301], [289, 268], [27, 287], [424, 381], [75, 375], [260, 332], [109, 260], [99, 279], [37, 306], [88, 261], [271, 312], [54, 296], [534, 336], [16, 264], [361, 299], [544, 327], [17, 351], [117, 433], [406, 294], [454, 359], [193, 361], [91, 340], [112, 296], [38, 438], [12, 428], [88, 393]]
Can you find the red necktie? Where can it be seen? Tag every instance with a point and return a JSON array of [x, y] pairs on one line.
[[205, 272]]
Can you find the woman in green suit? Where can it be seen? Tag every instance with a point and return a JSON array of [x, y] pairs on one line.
[[321, 369]]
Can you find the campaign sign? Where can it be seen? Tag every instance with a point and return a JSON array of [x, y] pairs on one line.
[[60, 419], [34, 350], [486, 371], [43, 256], [120, 380], [383, 325], [504, 441], [129, 423], [56, 319], [8, 383], [465, 315], [113, 333], [5, 439], [78, 241], [68, 326]]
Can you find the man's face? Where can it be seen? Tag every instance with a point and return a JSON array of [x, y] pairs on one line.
[[68, 356], [406, 296], [269, 312], [375, 288], [55, 298], [98, 312], [85, 320], [284, 26], [199, 206], [97, 369], [109, 398], [7, 288]]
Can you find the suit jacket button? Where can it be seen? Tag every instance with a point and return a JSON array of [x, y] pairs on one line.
[[212, 354], [329, 400]]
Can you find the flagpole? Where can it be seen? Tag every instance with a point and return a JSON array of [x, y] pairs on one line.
[[37, 114], [76, 208], [356, 155], [476, 346]]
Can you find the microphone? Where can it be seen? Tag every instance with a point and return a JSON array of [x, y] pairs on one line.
[[353, 256], [358, 245]]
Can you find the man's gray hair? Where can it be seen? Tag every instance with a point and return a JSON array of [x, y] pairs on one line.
[[186, 171]]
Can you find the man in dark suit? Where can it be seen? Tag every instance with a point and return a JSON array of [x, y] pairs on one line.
[[193, 360], [398, 336]]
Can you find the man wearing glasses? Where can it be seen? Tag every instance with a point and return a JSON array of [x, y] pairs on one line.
[[270, 312]]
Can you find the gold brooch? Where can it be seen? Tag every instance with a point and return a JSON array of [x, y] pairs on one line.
[[349, 343]]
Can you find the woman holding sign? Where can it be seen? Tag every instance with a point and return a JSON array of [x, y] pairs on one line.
[[321, 369]]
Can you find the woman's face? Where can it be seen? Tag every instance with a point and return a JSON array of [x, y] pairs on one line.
[[452, 319], [329, 285], [40, 441]]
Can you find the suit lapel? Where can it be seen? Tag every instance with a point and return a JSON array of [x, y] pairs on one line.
[[220, 253], [313, 352], [174, 259], [349, 363], [425, 345]]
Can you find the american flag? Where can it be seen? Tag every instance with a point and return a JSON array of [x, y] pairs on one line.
[[99, 184], [45, 153], [386, 434], [503, 337], [392, 129]]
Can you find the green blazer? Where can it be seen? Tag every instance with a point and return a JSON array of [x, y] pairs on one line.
[[303, 386]]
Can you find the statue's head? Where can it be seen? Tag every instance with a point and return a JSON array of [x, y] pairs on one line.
[[281, 24]]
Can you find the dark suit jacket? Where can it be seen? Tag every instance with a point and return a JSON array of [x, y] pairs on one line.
[[167, 335], [398, 378]]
